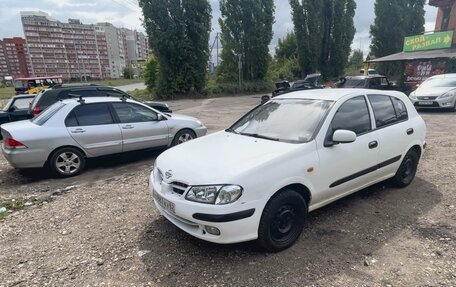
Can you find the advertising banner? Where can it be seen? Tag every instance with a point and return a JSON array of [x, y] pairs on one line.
[[418, 71]]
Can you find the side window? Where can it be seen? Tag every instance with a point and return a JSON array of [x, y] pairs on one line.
[[93, 114], [383, 110], [133, 113], [400, 108], [384, 82], [353, 115], [21, 103], [71, 120]]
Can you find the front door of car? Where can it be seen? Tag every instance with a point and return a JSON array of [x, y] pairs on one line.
[[391, 120], [93, 128], [141, 126], [346, 166]]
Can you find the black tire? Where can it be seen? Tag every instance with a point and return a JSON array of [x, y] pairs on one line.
[[183, 136], [282, 221], [407, 170], [67, 162]]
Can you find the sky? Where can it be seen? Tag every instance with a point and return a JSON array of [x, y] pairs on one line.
[[126, 13]]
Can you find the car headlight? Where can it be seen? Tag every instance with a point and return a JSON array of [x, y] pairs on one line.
[[413, 96], [214, 194], [448, 95], [199, 122]]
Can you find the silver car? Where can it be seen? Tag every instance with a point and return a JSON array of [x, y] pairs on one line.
[[436, 92], [70, 131]]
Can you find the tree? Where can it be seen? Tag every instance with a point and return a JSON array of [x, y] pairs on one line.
[[324, 32], [356, 60], [286, 48], [128, 73], [179, 36], [246, 31], [151, 71], [394, 20]]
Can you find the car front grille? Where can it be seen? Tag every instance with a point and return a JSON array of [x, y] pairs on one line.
[[426, 98], [179, 187]]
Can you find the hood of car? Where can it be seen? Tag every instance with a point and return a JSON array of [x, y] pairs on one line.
[[432, 92], [218, 158]]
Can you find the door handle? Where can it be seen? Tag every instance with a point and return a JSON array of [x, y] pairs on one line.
[[127, 127], [78, 131], [373, 144], [410, 131]]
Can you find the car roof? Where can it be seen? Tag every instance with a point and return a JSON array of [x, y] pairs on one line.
[[364, 77], [332, 94], [24, 96], [444, 76]]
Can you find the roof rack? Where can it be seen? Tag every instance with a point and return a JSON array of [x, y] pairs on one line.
[[62, 86], [81, 99]]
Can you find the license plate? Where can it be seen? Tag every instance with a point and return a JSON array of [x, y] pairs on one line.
[[166, 204], [426, 103]]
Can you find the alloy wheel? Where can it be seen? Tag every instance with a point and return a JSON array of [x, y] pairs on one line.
[[68, 163]]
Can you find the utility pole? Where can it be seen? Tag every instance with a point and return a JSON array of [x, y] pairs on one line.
[[240, 68], [217, 39]]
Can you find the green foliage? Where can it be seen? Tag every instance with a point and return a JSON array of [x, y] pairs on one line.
[[150, 72], [246, 31], [287, 48], [394, 20], [128, 73], [287, 69], [355, 62], [324, 32], [246, 87], [179, 36]]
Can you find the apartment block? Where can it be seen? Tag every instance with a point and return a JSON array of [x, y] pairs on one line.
[[116, 45], [13, 58], [137, 45], [73, 50]]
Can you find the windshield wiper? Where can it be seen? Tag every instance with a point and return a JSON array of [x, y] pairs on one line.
[[260, 136], [231, 131]]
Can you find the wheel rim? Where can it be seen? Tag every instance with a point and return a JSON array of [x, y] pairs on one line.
[[185, 137], [283, 222], [68, 163], [408, 169]]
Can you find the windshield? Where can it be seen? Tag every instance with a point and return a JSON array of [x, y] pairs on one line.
[[439, 83], [287, 120], [354, 83]]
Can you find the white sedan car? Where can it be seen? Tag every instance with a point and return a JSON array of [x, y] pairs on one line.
[[287, 157]]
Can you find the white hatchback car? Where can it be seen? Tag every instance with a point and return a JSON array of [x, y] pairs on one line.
[[287, 157]]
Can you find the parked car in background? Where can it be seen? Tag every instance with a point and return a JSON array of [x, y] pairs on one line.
[[69, 131], [376, 82], [16, 109], [294, 154], [312, 81], [46, 98], [436, 92]]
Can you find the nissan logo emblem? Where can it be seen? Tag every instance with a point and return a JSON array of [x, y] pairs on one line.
[[168, 174]]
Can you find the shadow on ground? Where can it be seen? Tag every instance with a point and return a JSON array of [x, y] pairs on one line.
[[96, 169], [336, 238]]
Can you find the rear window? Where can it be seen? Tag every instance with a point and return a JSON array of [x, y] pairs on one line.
[[354, 83], [46, 99], [47, 114]]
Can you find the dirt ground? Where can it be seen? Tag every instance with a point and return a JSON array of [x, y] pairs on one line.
[[101, 228]]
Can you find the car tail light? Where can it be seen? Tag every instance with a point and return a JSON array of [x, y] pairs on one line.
[[36, 111], [13, 144]]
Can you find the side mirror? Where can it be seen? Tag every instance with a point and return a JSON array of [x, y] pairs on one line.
[[265, 98], [160, 117], [343, 136], [12, 109]]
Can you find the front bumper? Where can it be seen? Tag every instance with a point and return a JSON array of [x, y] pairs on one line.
[[434, 103], [237, 222]]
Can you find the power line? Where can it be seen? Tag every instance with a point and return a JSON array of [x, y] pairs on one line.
[[125, 5]]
